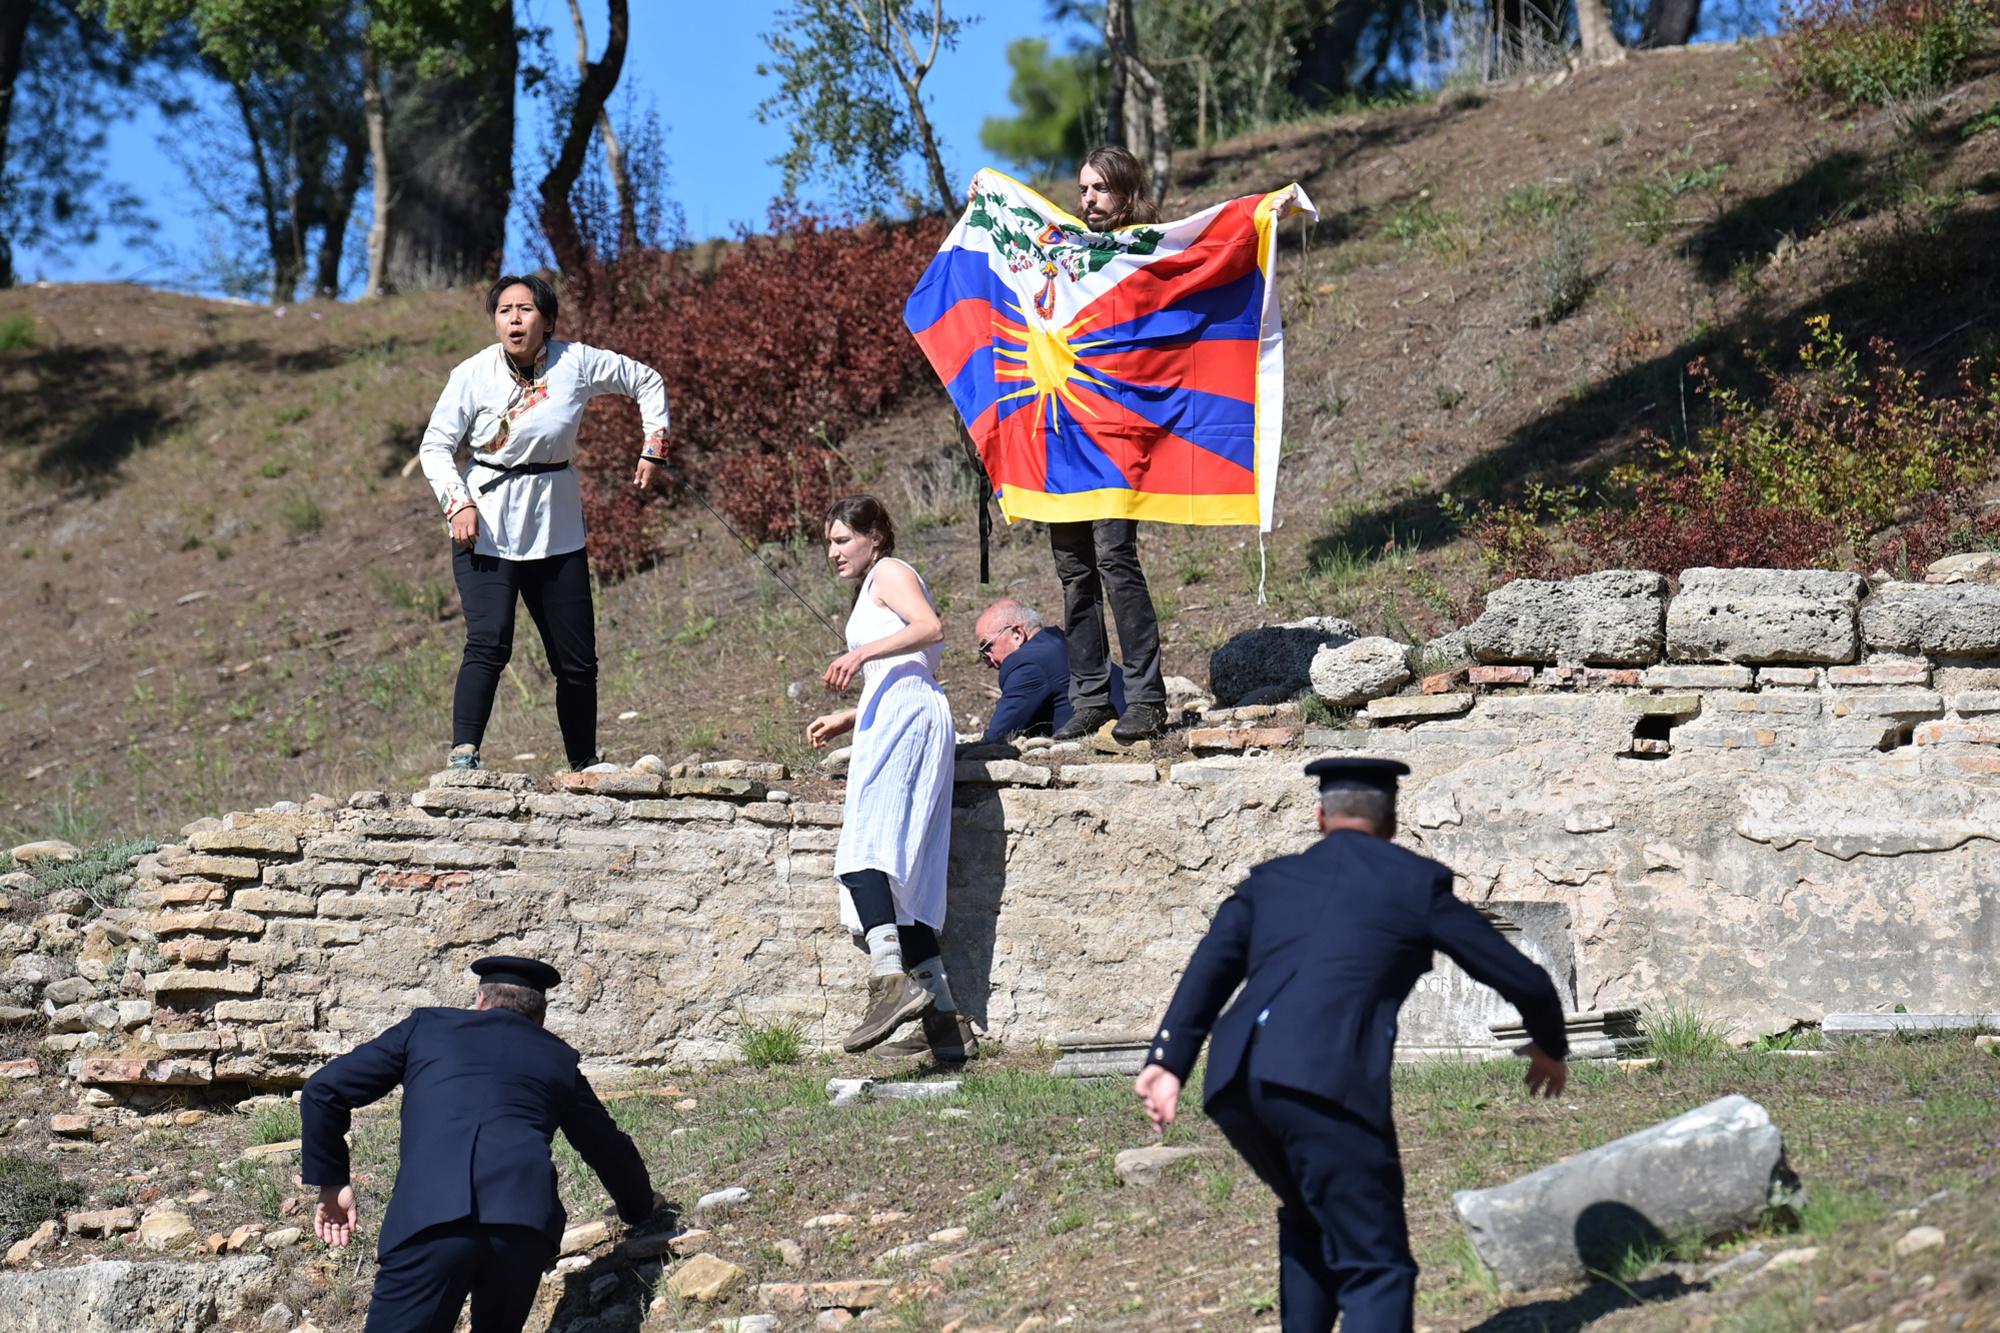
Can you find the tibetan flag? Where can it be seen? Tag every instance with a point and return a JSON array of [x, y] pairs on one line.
[[1137, 373]]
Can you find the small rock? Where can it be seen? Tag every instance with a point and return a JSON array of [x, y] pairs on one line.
[[888, 1217], [26, 1248], [283, 1238], [71, 1126], [104, 1222], [722, 1198], [583, 1237], [706, 1278], [165, 1230], [1986, 1041], [749, 1323], [899, 1254], [791, 1253], [277, 1318], [1804, 1254], [686, 1104], [47, 849], [1918, 1239], [830, 1321], [830, 1220], [188, 1119], [649, 763], [950, 1235], [1142, 1166], [242, 1237]]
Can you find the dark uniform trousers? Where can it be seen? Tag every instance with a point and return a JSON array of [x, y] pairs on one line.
[[1343, 1245], [423, 1282], [1320, 950], [1095, 562], [476, 1209]]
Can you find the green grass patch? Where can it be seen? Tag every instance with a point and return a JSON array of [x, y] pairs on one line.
[[782, 1042], [31, 1192], [276, 1122], [1682, 1032], [17, 332]]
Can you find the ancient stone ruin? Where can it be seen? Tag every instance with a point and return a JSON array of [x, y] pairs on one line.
[[1770, 795]]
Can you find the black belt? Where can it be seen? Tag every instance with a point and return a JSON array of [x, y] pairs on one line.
[[516, 469]]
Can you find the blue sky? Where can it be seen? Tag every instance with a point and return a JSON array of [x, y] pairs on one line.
[[698, 65]]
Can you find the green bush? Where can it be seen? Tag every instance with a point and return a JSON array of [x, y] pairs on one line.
[[1876, 51], [17, 332], [32, 1192], [767, 1044]]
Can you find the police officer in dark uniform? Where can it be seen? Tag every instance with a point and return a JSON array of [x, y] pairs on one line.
[[1326, 945], [475, 1210]]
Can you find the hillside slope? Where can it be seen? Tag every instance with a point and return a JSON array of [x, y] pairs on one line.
[[225, 590]]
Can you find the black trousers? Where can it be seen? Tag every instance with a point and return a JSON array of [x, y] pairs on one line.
[[875, 904], [1343, 1242], [423, 1282], [556, 589], [1096, 561]]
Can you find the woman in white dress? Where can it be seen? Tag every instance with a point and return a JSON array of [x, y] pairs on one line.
[[895, 834]]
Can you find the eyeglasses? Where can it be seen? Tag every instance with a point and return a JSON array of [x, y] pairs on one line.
[[986, 645]]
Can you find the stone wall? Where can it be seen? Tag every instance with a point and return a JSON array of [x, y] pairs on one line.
[[1785, 828]]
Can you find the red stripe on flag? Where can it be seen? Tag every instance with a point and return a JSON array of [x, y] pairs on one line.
[[958, 333], [1222, 366], [1154, 459], [1224, 252], [1012, 447]]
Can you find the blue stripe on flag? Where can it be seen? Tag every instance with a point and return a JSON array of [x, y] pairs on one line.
[[954, 276], [1233, 310], [1225, 427]]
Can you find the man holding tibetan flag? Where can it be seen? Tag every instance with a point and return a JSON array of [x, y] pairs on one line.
[[1110, 373]]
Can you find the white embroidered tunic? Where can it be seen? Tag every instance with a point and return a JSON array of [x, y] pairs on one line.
[[509, 420]]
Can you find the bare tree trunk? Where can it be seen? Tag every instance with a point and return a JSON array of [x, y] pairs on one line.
[[614, 151], [1120, 46], [333, 234], [1599, 41], [377, 117], [910, 69], [1669, 23], [284, 273], [14, 15], [599, 78], [1159, 133], [1327, 54]]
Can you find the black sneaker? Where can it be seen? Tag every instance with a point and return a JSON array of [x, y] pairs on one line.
[[1140, 722], [892, 1001], [946, 1038], [1083, 722]]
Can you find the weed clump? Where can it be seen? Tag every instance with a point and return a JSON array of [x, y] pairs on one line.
[[767, 1044], [32, 1192], [1876, 51], [1682, 1032]]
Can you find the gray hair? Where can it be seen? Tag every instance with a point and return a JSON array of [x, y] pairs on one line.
[[1015, 613], [1372, 804], [523, 1000]]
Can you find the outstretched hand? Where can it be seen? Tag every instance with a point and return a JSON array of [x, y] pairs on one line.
[[1547, 1076], [1160, 1089], [336, 1215]]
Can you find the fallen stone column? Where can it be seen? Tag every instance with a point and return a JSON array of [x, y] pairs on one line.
[[1709, 1171]]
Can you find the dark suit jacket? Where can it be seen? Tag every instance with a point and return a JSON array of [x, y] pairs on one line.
[[1034, 689], [484, 1092], [1330, 941]]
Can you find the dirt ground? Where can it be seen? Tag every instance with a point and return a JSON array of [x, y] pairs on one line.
[[225, 589]]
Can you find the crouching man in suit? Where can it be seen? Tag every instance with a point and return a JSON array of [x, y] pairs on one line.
[[1326, 945], [475, 1210]]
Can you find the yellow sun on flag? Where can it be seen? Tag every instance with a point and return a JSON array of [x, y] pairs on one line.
[[1047, 359]]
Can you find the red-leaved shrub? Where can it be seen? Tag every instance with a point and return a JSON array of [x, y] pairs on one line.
[[1878, 51], [773, 355]]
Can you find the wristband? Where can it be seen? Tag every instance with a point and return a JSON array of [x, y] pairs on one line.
[[453, 509]]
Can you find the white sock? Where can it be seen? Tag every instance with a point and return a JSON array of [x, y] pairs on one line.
[[931, 977], [885, 951]]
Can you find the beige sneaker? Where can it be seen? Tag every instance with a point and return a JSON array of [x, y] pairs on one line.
[[945, 1037], [892, 1001]]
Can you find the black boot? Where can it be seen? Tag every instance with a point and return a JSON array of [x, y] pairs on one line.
[[1084, 722]]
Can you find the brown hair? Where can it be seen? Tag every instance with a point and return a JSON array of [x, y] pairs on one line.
[[523, 1000], [866, 515], [1125, 176]]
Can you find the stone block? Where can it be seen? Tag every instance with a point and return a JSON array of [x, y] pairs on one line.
[[1883, 1025], [189, 981], [817, 812], [724, 789], [1663, 705], [1417, 708], [1764, 615], [125, 1071], [1967, 703], [706, 1278], [624, 782], [103, 1222], [219, 867], [265, 1011], [1443, 682], [488, 778], [466, 801], [1889, 671], [196, 1043], [857, 1294], [1612, 678], [1887, 703], [684, 807], [1273, 658], [1109, 775], [1000, 773], [1713, 1170], [1501, 675], [1788, 677], [1234, 740], [1779, 703], [1611, 618], [1984, 731], [274, 902], [1141, 1167], [246, 841], [1349, 674], [1932, 620], [1671, 676], [225, 922], [318, 874], [567, 805], [362, 906]]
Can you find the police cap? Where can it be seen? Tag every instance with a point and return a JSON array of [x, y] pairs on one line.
[[1379, 774], [507, 970]]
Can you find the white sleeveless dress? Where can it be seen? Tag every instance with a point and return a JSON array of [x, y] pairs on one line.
[[897, 817]]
